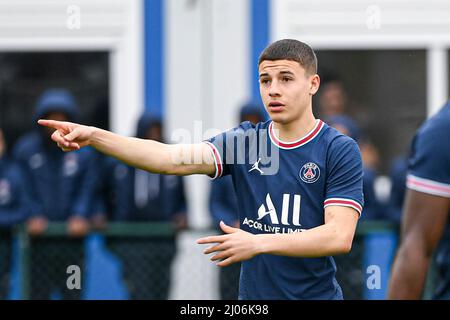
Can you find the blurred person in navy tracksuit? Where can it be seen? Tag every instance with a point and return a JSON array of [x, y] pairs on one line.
[[373, 210], [398, 173], [349, 272], [13, 210], [223, 207], [60, 188], [128, 194]]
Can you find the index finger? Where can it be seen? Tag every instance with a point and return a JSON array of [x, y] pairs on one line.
[[52, 124], [212, 239]]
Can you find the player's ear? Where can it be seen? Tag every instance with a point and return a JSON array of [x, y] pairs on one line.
[[314, 84]]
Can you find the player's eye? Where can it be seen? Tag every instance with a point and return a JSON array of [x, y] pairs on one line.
[[286, 79], [264, 81]]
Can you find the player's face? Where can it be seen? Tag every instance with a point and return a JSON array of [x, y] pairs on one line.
[[286, 89]]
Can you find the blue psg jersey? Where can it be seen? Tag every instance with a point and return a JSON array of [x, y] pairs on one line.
[[283, 187], [429, 172]]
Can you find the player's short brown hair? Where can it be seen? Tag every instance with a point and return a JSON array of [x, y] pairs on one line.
[[290, 49]]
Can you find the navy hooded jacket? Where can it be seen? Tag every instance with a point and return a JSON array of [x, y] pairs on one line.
[[131, 194], [223, 204], [399, 170], [13, 201], [373, 209], [59, 184]]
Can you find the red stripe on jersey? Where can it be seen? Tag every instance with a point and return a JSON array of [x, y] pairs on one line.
[[216, 159], [432, 186], [298, 143], [351, 203]]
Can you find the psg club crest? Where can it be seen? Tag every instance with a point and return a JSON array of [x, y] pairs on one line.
[[309, 173]]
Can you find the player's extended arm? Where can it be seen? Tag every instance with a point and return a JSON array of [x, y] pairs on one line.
[[179, 159], [424, 221], [332, 238]]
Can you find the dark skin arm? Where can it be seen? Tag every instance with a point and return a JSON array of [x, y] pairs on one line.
[[424, 221]]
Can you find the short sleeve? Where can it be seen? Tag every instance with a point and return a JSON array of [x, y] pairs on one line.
[[429, 163], [217, 146], [344, 185], [228, 148]]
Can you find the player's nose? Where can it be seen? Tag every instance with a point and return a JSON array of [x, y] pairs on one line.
[[274, 89]]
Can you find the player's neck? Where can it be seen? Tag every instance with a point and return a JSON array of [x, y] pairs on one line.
[[295, 130]]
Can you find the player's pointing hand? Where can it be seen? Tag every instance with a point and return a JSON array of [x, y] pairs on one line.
[[234, 246], [69, 136]]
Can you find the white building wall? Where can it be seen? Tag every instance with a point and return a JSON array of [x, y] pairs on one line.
[[85, 25], [207, 78], [207, 67], [367, 24]]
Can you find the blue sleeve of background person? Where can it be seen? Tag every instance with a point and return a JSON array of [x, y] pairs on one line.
[[222, 203], [103, 188], [19, 209], [112, 188], [84, 196], [398, 180], [21, 156], [121, 182], [179, 198], [226, 148], [98, 206], [430, 156], [371, 204], [345, 170]]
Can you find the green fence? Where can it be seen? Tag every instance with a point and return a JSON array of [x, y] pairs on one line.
[[141, 246], [123, 239]]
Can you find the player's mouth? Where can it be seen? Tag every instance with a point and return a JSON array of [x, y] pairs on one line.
[[275, 106]]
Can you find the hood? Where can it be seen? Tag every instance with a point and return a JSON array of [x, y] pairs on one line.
[[346, 122], [59, 100], [146, 121], [252, 108]]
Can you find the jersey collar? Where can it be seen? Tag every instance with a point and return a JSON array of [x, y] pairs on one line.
[[298, 143]]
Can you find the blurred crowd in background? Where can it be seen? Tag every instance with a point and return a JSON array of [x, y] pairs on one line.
[[383, 68], [40, 184]]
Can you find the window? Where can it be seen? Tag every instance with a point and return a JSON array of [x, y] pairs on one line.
[[386, 94], [25, 75]]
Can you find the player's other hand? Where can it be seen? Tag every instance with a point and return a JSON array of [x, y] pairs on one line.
[[69, 136], [234, 246], [77, 227], [36, 226]]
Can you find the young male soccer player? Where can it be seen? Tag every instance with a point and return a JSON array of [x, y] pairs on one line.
[[298, 181], [425, 230]]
